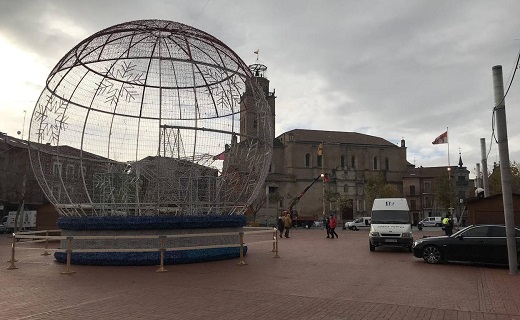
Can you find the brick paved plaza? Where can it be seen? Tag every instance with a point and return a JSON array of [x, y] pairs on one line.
[[314, 278]]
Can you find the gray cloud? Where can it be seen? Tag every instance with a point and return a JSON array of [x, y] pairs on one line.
[[394, 69]]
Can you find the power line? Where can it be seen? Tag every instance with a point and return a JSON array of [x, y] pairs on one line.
[[197, 18], [493, 137]]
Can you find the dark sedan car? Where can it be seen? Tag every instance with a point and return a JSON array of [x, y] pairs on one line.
[[476, 243]]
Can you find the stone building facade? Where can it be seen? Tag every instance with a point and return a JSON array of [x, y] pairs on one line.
[[348, 159]]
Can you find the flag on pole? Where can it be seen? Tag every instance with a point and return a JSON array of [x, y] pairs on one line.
[[220, 156], [320, 149], [443, 138]]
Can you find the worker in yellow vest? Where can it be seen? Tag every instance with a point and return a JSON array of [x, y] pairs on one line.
[[447, 225]]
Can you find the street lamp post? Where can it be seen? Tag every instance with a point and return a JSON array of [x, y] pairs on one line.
[[323, 193]]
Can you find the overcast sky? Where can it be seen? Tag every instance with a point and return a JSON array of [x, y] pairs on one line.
[[392, 69]]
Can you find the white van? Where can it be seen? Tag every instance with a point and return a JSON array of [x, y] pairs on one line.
[[391, 225], [363, 222], [431, 222]]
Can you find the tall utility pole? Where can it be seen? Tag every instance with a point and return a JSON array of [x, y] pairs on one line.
[[320, 154], [485, 177], [505, 169]]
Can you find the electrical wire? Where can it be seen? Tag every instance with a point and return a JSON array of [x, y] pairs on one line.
[[197, 18], [493, 136]]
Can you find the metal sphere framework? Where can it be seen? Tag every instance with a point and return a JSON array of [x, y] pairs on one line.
[[151, 117]]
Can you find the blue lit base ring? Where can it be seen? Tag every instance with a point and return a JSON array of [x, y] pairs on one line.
[[149, 258]]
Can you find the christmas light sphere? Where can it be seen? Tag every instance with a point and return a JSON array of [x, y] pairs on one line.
[[151, 118]]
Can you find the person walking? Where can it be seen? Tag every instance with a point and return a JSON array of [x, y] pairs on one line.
[[287, 224], [332, 227], [280, 225], [327, 226]]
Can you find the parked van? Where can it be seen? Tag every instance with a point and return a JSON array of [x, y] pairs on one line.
[[391, 225], [433, 222], [363, 222]]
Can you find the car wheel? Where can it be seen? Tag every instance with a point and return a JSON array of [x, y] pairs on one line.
[[354, 228], [372, 247], [437, 224], [432, 254]]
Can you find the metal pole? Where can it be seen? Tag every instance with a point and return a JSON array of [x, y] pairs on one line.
[[275, 238], [267, 203], [161, 250], [69, 254], [479, 177], [276, 248], [485, 177], [242, 262], [505, 169], [13, 260], [46, 253]]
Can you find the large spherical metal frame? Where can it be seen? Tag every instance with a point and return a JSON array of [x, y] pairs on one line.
[[151, 117]]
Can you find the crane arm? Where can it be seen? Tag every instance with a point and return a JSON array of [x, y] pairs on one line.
[[297, 199]]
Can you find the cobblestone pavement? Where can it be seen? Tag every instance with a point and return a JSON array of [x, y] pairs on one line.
[[314, 278]]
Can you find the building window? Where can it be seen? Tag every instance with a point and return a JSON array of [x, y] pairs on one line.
[[342, 162], [70, 171], [307, 160], [413, 205], [320, 160], [427, 186], [376, 163], [56, 169], [56, 192], [387, 164], [353, 162], [428, 202], [412, 190]]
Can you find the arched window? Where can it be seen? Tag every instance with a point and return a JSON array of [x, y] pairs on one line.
[[376, 163], [342, 162], [320, 161], [307, 160], [353, 162], [387, 164]]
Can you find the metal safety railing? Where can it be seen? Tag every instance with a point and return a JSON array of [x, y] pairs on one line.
[[47, 236]]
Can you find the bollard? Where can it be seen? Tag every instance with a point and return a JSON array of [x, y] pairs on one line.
[[13, 260], [274, 239], [242, 262], [161, 250], [276, 246], [69, 254], [46, 253]]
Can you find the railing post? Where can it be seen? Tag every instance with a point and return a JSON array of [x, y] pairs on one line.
[[242, 262], [13, 260], [275, 238], [161, 250], [276, 247], [46, 253], [69, 254]]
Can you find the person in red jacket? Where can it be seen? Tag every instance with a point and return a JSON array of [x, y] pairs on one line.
[[332, 226]]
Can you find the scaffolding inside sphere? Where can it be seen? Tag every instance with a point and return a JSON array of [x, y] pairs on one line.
[[149, 118]]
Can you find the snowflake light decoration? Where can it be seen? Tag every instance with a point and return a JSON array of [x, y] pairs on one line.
[[151, 117]]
